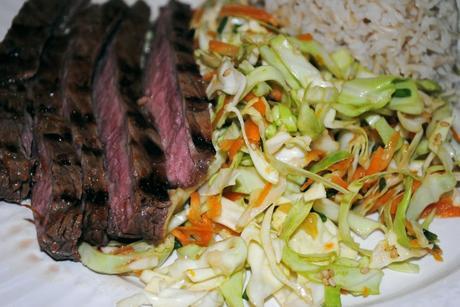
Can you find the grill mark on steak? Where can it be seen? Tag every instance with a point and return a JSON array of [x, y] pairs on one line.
[[93, 27], [15, 142], [57, 188], [21, 48], [19, 59], [139, 200], [56, 195], [171, 76]]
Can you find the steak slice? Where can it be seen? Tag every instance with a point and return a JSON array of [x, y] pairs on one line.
[[15, 142], [19, 59], [174, 98], [57, 188], [21, 48], [93, 27], [138, 196]]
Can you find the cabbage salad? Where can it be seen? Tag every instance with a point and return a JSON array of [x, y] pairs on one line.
[[314, 153]]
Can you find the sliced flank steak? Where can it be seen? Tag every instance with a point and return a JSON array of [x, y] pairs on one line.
[[92, 29], [174, 98], [20, 53], [15, 143], [139, 201], [24, 42], [56, 188]]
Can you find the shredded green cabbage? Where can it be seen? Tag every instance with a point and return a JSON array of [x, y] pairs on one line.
[[306, 171]]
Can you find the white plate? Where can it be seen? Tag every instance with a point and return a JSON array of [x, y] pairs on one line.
[[29, 277]]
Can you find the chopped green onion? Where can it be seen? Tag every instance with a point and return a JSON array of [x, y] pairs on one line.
[[408, 100], [222, 25], [431, 237], [402, 93], [382, 184]]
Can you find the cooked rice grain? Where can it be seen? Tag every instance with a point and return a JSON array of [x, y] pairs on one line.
[[417, 39]]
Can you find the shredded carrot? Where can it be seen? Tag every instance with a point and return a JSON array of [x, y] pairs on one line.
[[360, 172], [235, 148], [247, 11], [232, 146], [382, 157], [314, 155], [212, 33], [224, 48], [307, 183], [252, 131], [221, 111], [339, 181], [276, 93], [196, 18], [259, 106], [385, 198], [233, 196], [200, 229], [182, 237], [249, 96], [455, 134], [208, 76], [395, 203], [377, 164], [214, 206], [305, 37], [415, 185], [444, 207], [342, 165], [263, 194], [200, 233], [194, 214]]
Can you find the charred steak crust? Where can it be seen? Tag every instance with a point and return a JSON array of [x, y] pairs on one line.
[[15, 142], [57, 188], [20, 50], [174, 98], [92, 29], [19, 60], [56, 194], [139, 203]]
